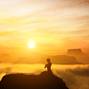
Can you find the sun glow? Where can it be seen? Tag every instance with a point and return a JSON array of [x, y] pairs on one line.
[[31, 44]]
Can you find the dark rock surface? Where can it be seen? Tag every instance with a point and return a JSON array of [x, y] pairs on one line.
[[46, 80]]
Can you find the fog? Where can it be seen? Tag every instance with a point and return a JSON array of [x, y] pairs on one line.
[[75, 76]]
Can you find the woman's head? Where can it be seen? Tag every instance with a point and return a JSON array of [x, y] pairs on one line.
[[48, 60]]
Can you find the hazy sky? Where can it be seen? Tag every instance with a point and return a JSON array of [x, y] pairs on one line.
[[55, 25]]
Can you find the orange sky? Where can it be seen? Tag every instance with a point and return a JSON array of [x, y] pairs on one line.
[[55, 25]]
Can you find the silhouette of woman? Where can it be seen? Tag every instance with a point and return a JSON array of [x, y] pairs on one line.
[[48, 65]]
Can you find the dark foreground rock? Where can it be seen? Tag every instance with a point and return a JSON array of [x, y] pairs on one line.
[[22, 81]]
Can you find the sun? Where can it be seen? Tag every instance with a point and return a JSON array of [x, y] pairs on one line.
[[31, 44]]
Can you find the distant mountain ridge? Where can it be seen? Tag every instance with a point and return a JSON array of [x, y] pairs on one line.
[[64, 59]]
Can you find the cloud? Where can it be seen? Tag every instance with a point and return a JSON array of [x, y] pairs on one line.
[[56, 18]]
